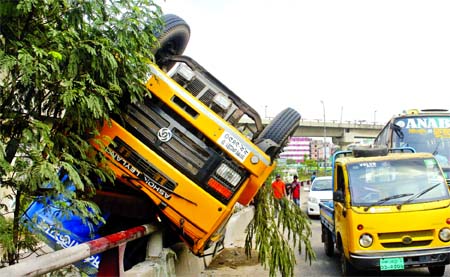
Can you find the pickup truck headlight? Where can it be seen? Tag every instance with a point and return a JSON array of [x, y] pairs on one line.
[[444, 234], [227, 173], [365, 240]]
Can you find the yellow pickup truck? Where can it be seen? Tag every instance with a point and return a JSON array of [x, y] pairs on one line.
[[390, 211]]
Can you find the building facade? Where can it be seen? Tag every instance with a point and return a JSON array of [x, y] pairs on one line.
[[296, 149], [299, 147]]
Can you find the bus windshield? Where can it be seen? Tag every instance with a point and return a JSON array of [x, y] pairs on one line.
[[396, 182], [425, 134]]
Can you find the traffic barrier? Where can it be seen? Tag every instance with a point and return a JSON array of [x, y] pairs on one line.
[[58, 259]]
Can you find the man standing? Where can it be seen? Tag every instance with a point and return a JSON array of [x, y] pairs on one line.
[[295, 190], [278, 187], [279, 191]]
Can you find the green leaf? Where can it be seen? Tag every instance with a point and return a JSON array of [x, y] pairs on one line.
[[56, 55]]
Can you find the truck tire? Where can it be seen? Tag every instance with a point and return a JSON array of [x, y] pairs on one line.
[[328, 243], [378, 150], [278, 131], [347, 268], [173, 39], [438, 270]]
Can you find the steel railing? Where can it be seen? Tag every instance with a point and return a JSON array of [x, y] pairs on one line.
[[61, 258]]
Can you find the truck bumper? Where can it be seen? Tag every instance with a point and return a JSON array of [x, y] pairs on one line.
[[416, 258]]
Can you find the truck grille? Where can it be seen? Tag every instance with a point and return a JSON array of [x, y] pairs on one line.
[[196, 157], [406, 239], [147, 171], [203, 89]]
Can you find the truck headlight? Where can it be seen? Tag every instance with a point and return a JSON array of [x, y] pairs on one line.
[[227, 173], [365, 240], [444, 234]]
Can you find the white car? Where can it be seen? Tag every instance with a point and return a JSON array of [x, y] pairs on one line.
[[321, 191]]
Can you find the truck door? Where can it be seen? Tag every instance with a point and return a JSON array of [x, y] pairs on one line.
[[340, 210]]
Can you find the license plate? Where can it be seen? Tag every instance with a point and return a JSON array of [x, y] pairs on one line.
[[392, 264], [234, 146]]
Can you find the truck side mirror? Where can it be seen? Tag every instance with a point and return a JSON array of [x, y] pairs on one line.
[[338, 196]]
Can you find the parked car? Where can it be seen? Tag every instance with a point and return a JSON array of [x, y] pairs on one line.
[[321, 191]]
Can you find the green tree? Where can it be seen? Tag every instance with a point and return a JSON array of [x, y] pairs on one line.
[[311, 164], [65, 67]]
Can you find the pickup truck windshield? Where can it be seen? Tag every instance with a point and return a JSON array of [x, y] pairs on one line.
[[393, 182]]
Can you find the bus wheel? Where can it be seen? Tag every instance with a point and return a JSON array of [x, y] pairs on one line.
[[173, 39], [273, 138], [438, 270]]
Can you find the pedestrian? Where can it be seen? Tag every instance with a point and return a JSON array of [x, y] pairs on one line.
[[279, 191], [313, 176], [295, 190], [278, 187]]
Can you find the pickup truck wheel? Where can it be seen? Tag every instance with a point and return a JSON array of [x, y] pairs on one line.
[[278, 131], [328, 243], [438, 270], [346, 267], [173, 39]]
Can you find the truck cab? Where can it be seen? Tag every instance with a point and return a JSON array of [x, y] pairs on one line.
[[390, 211], [184, 149]]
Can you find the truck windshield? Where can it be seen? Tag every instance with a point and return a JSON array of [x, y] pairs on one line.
[[393, 182]]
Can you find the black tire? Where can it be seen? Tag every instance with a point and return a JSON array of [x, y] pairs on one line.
[[437, 270], [328, 243], [279, 130], [173, 39], [347, 268], [378, 150]]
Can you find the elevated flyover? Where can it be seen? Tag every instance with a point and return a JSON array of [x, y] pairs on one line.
[[342, 133]]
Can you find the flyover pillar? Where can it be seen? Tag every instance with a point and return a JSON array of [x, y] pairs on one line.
[[345, 140]]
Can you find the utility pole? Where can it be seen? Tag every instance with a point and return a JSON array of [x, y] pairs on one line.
[[324, 137]]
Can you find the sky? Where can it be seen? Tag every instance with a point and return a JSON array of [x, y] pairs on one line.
[[350, 60]]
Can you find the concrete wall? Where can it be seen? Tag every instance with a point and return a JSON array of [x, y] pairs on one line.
[[179, 261]]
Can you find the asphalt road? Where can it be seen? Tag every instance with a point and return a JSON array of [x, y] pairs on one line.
[[322, 266]]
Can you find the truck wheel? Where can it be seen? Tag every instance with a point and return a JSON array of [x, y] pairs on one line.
[[346, 267], [328, 243], [173, 39], [276, 133], [438, 270]]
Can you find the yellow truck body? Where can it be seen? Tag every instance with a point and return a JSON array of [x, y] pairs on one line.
[[389, 212], [184, 153]]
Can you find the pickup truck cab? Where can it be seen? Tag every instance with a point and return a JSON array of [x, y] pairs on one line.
[[390, 211]]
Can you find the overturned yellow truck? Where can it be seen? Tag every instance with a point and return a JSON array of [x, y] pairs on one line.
[[185, 149]]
